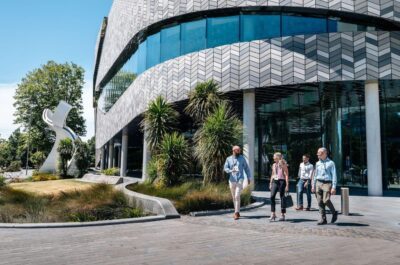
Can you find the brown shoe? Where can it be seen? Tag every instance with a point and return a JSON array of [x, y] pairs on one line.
[[236, 216], [299, 208]]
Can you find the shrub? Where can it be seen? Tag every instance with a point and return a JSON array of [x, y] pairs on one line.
[[65, 150], [193, 196], [82, 157], [152, 170], [2, 181], [214, 140], [14, 166], [114, 171], [38, 158], [173, 158], [35, 208], [37, 176]]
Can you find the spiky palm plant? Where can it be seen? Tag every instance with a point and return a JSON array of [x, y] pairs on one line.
[[203, 99], [65, 150], [174, 157], [214, 140], [159, 119]]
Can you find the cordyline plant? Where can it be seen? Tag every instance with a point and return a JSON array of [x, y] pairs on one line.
[[214, 140], [203, 100], [159, 119]]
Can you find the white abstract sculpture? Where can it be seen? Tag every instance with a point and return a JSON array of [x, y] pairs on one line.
[[56, 121]]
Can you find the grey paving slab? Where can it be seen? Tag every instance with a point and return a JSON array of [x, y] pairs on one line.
[[372, 236]]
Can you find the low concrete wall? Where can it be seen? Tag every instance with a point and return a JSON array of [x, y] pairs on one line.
[[155, 205]]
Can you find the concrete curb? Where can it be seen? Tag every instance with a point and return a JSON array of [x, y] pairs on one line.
[[156, 205], [225, 211], [84, 224]]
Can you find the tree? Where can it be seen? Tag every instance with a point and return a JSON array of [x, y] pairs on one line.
[[92, 150], [44, 88], [159, 119], [38, 158], [214, 140], [203, 99], [65, 150], [82, 156]]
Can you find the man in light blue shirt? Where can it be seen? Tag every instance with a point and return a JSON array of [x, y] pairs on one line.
[[324, 184], [236, 165]]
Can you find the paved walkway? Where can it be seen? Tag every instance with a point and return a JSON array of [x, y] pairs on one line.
[[370, 236]]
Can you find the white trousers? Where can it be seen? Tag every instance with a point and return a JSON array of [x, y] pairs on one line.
[[236, 190]]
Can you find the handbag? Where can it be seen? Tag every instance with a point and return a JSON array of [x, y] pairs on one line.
[[288, 200]]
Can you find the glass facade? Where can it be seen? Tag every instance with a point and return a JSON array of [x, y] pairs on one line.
[[193, 36], [222, 30], [258, 27], [390, 133], [170, 43], [174, 41], [299, 122], [296, 122]]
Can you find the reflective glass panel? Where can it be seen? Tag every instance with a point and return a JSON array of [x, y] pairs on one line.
[[170, 43], [153, 48], [142, 57], [222, 30], [193, 36], [257, 27], [296, 25]]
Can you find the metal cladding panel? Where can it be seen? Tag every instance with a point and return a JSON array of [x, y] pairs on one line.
[[280, 61], [128, 17]]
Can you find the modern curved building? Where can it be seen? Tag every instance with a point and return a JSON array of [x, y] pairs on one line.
[[300, 73]]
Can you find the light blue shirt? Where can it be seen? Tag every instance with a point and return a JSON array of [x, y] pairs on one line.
[[325, 170], [243, 167]]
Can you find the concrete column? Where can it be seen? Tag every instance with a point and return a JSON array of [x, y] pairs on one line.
[[249, 109], [119, 157], [124, 151], [102, 158], [373, 130], [146, 156], [110, 153]]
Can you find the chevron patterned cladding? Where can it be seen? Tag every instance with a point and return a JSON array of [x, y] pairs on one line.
[[128, 17], [280, 61]]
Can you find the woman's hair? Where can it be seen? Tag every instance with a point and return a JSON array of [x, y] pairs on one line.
[[282, 161]]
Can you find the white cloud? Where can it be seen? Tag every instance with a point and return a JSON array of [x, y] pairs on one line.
[[7, 110]]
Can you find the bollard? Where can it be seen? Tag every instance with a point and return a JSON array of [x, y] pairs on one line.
[[345, 200]]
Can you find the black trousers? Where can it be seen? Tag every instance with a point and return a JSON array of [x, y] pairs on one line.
[[278, 185]]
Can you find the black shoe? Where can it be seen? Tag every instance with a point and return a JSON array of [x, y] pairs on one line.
[[322, 222], [334, 217]]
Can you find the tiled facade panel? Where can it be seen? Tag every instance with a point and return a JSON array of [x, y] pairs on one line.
[[128, 17], [280, 61]]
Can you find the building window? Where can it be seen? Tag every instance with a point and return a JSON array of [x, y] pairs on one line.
[[296, 25], [170, 43], [222, 30], [153, 48], [141, 57], [258, 27], [193, 36]]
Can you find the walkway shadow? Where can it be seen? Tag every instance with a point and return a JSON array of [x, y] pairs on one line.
[[352, 224], [300, 220], [254, 217], [355, 214]]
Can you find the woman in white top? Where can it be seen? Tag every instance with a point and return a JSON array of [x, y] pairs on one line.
[[279, 182]]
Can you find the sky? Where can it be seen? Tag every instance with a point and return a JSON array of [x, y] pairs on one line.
[[33, 32]]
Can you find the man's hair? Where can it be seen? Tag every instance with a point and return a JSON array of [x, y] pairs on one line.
[[307, 155], [323, 149]]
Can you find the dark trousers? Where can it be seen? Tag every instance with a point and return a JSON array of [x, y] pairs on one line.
[[278, 185]]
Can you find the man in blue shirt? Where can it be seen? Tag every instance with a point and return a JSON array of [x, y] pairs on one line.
[[235, 166], [324, 184]]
